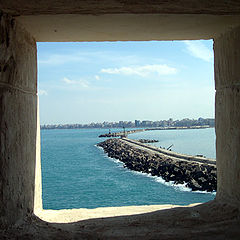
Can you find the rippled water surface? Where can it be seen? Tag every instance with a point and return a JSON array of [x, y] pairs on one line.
[[77, 174]]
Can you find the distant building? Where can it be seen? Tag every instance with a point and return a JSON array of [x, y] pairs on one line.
[[120, 123], [147, 123], [137, 123], [186, 122]]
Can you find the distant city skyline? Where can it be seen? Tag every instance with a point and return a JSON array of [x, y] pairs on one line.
[[106, 81], [186, 122]]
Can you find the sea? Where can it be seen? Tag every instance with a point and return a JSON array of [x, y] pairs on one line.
[[78, 174]]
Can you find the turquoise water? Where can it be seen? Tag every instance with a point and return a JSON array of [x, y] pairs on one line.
[[77, 174]]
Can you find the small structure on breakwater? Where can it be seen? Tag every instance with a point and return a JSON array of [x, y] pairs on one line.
[[147, 140], [197, 173], [120, 134]]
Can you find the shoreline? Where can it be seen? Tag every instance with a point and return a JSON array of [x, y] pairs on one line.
[[133, 128]]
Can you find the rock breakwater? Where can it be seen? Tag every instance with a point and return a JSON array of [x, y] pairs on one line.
[[197, 176]]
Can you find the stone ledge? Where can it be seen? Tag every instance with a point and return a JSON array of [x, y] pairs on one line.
[[216, 220], [75, 215]]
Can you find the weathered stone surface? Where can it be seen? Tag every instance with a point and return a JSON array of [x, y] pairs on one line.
[[198, 177], [227, 71], [126, 27], [34, 7], [213, 220], [18, 121]]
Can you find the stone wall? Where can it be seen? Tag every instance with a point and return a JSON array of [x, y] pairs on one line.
[[227, 80], [38, 170], [34, 7], [18, 115], [18, 121]]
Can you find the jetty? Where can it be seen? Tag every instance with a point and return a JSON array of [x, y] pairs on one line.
[[122, 133], [167, 153], [126, 133], [197, 173]]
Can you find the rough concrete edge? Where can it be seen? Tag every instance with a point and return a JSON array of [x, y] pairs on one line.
[[38, 207], [81, 214]]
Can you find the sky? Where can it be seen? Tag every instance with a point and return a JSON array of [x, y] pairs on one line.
[[88, 82]]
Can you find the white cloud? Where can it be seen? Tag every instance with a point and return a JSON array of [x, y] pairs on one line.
[[81, 83], [199, 50], [57, 59], [68, 81], [89, 56], [60, 59], [42, 92], [97, 77], [143, 71]]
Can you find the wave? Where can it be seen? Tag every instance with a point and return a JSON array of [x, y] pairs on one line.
[[181, 187], [115, 160], [109, 158]]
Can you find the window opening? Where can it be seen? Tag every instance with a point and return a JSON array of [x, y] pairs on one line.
[[87, 89]]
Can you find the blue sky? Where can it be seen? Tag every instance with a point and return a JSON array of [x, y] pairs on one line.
[[110, 81]]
